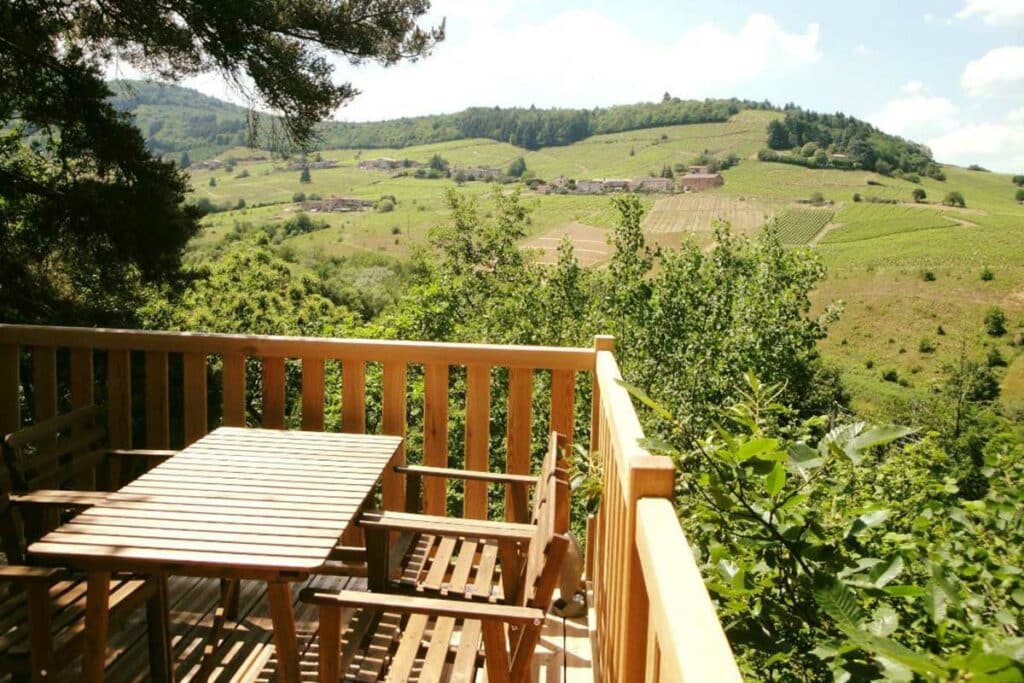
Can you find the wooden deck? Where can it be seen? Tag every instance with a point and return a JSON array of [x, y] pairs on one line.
[[247, 652]]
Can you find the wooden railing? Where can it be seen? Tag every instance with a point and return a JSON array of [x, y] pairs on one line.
[[649, 596], [654, 618]]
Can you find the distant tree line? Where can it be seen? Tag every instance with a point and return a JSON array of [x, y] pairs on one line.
[[533, 128], [858, 144]]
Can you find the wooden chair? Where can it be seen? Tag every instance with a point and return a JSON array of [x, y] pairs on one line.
[[432, 554], [50, 472], [398, 637]]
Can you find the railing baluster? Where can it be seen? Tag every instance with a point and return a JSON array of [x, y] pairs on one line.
[[158, 414], [234, 390], [563, 398], [44, 383], [517, 459], [313, 394], [353, 396], [273, 393], [195, 396], [119, 409], [83, 381], [435, 435], [395, 420], [478, 416]]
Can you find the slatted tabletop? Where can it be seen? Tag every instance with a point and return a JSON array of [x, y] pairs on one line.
[[238, 502]]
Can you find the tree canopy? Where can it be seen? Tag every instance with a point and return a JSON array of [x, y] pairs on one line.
[[87, 213]]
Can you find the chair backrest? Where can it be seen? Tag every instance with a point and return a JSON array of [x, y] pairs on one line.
[[556, 458], [64, 452], [547, 550], [60, 453]]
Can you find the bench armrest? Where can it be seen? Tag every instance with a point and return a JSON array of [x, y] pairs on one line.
[[148, 453], [447, 526], [59, 498], [455, 609], [27, 574], [473, 475]]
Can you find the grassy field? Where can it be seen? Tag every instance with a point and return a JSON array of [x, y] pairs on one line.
[[877, 254]]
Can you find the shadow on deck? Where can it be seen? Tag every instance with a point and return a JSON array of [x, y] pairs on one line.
[[246, 653]]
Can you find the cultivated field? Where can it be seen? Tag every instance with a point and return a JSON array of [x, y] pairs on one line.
[[590, 244], [869, 221], [800, 226], [696, 214]]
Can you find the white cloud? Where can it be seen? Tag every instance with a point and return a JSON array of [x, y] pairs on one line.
[[929, 17], [915, 115], [997, 72], [1016, 116], [577, 58], [862, 49], [994, 12], [912, 88], [995, 145]]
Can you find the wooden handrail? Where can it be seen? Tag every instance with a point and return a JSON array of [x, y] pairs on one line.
[[635, 556], [690, 649], [270, 346]]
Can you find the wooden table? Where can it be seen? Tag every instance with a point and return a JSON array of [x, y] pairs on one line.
[[238, 503]]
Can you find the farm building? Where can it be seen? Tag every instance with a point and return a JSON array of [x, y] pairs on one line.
[[652, 185], [312, 165], [589, 186], [383, 164], [208, 165], [699, 169], [480, 172], [701, 181], [616, 185], [336, 205]]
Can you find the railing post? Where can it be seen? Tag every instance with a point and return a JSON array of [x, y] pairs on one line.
[[602, 342], [10, 389], [649, 476]]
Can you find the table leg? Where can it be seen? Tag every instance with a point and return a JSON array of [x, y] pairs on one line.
[[377, 560], [280, 596], [97, 614]]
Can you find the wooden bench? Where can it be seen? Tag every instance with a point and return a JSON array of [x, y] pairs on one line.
[[393, 637], [50, 473]]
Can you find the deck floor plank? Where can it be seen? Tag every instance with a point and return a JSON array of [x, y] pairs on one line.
[[246, 654]]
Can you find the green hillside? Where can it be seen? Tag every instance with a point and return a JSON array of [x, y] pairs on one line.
[[877, 250]]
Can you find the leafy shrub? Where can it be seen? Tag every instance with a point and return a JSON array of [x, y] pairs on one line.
[[395, 230], [213, 182], [869, 364], [987, 274], [856, 196], [995, 322], [941, 331], [954, 198], [1019, 196], [919, 194], [385, 205], [240, 204], [817, 198], [299, 197], [244, 173], [995, 359], [926, 345], [891, 375], [928, 276]]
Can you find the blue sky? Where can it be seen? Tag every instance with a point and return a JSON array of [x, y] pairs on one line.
[[950, 74]]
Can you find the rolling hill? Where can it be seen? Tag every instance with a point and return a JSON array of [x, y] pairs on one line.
[[909, 275]]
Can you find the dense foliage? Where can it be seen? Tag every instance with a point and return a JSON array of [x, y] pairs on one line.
[[834, 556], [846, 142]]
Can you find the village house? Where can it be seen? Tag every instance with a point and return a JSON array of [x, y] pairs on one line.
[[653, 184], [693, 182], [480, 172], [383, 164], [336, 205], [589, 186], [616, 185], [312, 165], [699, 169], [208, 165]]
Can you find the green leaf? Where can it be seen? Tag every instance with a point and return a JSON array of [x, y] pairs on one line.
[[641, 395], [886, 621], [884, 573], [755, 448], [839, 602], [803, 459], [775, 480], [905, 591], [868, 520]]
